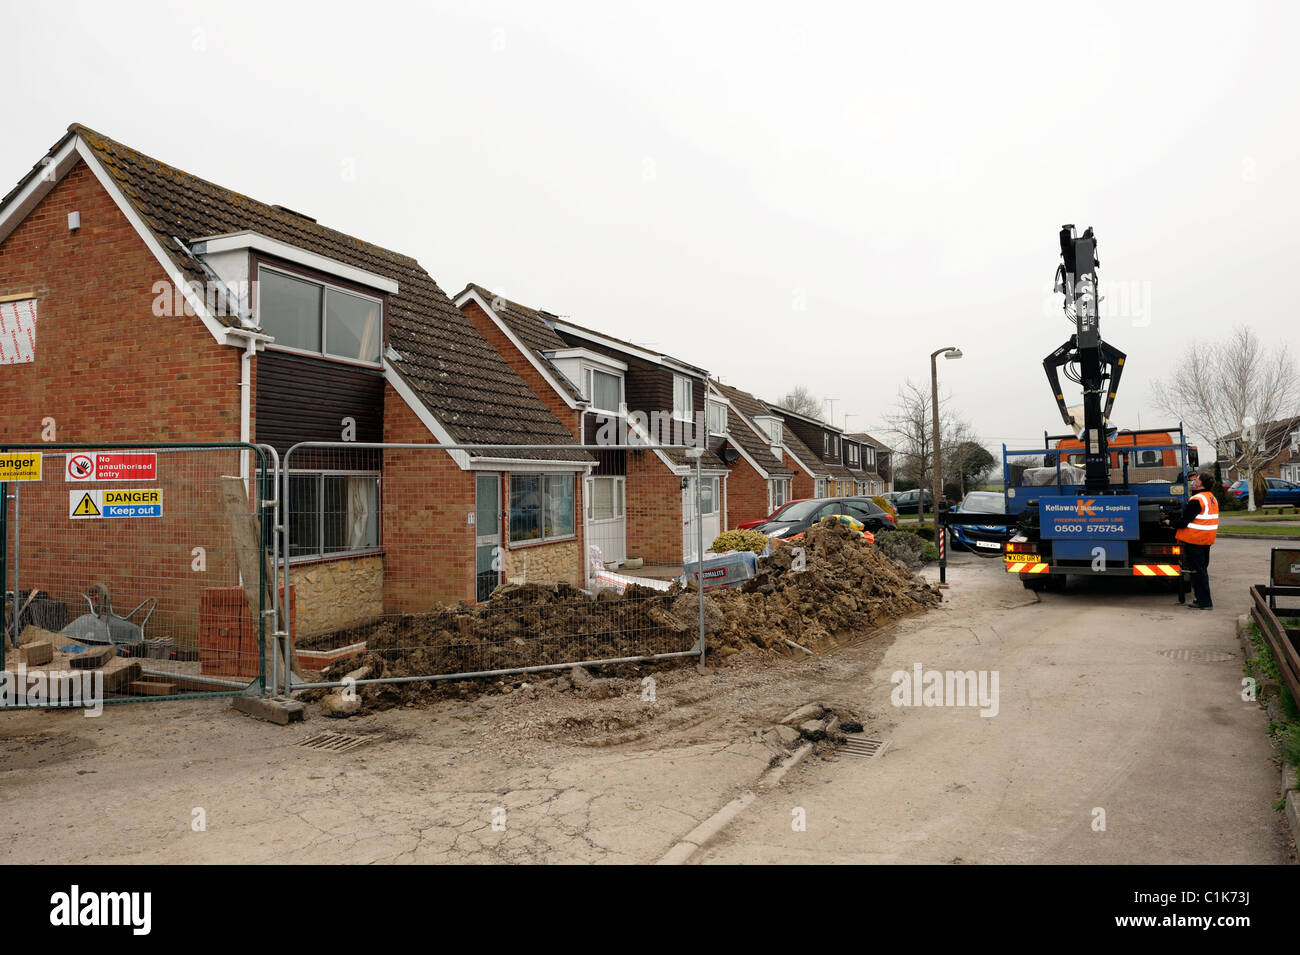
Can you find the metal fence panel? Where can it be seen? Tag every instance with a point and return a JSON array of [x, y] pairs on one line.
[[138, 548], [402, 562]]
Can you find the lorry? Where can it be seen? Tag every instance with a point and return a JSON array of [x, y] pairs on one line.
[[1097, 505]]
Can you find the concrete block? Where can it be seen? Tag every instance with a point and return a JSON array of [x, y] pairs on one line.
[[151, 688], [92, 659], [282, 712]]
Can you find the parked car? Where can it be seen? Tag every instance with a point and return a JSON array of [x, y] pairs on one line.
[[906, 502], [1277, 491], [988, 540], [798, 516], [750, 525]]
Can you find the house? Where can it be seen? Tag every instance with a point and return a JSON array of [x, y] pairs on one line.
[[760, 480], [825, 444], [1281, 437], [875, 455], [167, 308], [613, 395]]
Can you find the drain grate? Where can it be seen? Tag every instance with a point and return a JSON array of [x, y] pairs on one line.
[[866, 748], [334, 742], [1200, 655]]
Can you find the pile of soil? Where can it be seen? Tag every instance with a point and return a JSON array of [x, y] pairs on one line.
[[837, 588], [845, 587]]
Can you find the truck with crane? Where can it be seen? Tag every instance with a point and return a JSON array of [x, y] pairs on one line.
[[1097, 506]]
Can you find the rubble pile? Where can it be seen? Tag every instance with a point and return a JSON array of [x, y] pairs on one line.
[[834, 587]]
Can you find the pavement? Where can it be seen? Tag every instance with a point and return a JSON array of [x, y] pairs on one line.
[[1120, 737]]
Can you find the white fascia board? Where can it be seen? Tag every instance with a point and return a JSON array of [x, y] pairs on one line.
[[221, 333], [632, 350], [292, 253], [404, 391], [542, 369], [524, 464], [587, 355], [38, 187]]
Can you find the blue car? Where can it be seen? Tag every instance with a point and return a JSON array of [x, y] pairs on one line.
[[1277, 492], [987, 540]]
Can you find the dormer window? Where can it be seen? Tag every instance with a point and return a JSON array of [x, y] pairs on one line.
[[853, 455], [717, 418], [683, 399], [309, 316], [772, 428], [604, 391]]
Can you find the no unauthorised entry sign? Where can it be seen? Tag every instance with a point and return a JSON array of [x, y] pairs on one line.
[[111, 466]]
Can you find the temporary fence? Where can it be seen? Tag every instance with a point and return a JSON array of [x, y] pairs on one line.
[[146, 566], [424, 562]]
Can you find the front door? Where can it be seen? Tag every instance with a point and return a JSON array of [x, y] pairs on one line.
[[488, 558], [710, 516], [606, 519]]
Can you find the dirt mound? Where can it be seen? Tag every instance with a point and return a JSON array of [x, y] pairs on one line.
[[836, 587]]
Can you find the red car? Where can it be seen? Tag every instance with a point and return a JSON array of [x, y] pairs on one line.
[[750, 525]]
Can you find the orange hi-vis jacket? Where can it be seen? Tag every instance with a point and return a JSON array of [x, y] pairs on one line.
[[1206, 525]]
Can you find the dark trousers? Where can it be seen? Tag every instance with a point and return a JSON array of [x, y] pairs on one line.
[[1196, 558]]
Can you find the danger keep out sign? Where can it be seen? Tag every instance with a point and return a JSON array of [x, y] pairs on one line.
[[97, 503]]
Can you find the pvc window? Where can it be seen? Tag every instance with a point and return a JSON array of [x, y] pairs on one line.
[[717, 418], [605, 499], [604, 390], [332, 514], [313, 317], [541, 507], [683, 398]]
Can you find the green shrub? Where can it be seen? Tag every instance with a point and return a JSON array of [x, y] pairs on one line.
[[739, 540], [903, 546], [929, 552], [925, 532]]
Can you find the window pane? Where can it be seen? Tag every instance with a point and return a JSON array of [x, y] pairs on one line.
[[334, 512], [289, 309], [718, 419], [352, 326], [304, 515], [602, 499], [683, 406], [525, 507], [604, 390], [559, 505]]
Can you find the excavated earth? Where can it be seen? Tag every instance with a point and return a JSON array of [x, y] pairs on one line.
[[833, 588]]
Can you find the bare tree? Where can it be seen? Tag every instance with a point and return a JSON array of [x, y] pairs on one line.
[[801, 400], [912, 427], [1235, 393]]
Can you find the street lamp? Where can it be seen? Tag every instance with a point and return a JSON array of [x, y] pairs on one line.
[[937, 481]]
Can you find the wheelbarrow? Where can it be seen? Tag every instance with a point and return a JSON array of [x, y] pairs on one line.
[[102, 626]]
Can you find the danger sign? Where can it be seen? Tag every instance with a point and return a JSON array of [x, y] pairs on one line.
[[111, 466], [20, 467], [96, 503]]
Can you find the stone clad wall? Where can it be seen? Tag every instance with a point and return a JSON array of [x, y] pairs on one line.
[[546, 563], [337, 593]]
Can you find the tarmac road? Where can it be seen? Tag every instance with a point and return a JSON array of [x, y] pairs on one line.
[[1097, 724]]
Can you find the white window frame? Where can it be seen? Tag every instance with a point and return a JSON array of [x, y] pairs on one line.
[[716, 493], [819, 488], [590, 390], [321, 553], [324, 344], [620, 485], [688, 386], [778, 493], [826, 445], [722, 409], [853, 455], [541, 483]]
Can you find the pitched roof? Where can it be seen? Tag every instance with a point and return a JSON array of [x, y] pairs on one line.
[[530, 326], [745, 433], [801, 451], [452, 369], [868, 439]]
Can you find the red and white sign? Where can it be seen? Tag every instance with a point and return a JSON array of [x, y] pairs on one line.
[[111, 466]]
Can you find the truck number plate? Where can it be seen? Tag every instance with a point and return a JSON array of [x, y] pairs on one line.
[[1024, 558]]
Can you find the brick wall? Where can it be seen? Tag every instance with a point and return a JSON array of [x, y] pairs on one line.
[[654, 510], [107, 370], [746, 494], [802, 485]]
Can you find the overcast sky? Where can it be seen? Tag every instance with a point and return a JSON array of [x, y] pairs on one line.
[[784, 194]]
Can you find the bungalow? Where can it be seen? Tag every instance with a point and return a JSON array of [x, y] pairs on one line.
[[614, 395], [166, 308]]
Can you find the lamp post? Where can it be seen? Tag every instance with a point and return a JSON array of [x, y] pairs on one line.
[[937, 480]]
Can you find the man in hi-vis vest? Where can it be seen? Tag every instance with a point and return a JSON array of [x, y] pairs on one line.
[[1197, 527]]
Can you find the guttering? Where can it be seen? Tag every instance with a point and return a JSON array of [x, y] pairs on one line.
[[291, 253]]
